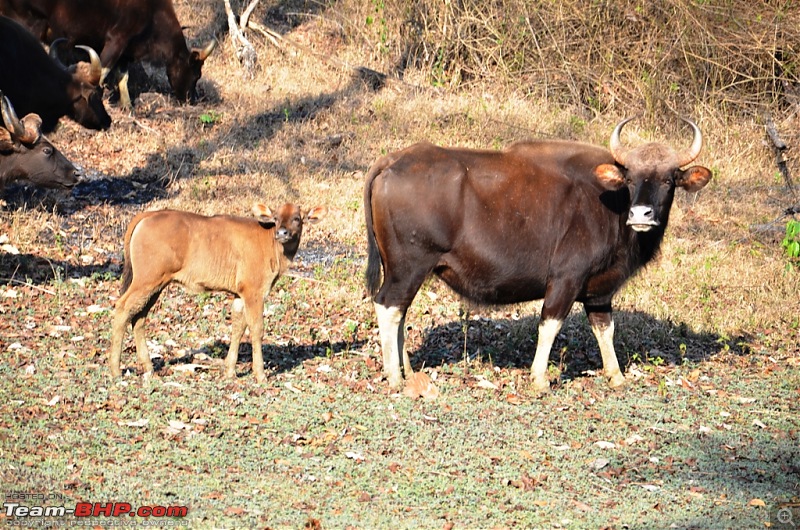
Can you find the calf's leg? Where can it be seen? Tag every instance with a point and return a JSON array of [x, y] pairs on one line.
[[132, 308], [253, 310], [238, 326], [118, 328]]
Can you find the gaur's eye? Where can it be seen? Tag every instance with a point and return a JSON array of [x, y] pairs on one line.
[[47, 151]]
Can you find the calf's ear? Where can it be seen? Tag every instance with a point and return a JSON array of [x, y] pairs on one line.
[[315, 214], [693, 179], [609, 176], [264, 215]]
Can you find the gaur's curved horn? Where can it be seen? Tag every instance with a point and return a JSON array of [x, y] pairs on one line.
[[690, 154], [10, 119], [94, 60], [203, 54], [615, 145], [54, 46]]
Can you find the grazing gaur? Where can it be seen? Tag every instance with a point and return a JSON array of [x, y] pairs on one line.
[[239, 255], [38, 83], [27, 155], [123, 31], [558, 220]]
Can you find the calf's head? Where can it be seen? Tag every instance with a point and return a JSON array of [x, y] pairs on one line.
[[651, 172], [26, 154], [288, 222]]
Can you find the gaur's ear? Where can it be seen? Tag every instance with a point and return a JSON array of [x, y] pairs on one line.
[[6, 143], [609, 176], [693, 179], [264, 215], [33, 128], [315, 214]]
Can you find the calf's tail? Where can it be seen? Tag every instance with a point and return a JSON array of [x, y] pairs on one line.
[[127, 268], [374, 264]]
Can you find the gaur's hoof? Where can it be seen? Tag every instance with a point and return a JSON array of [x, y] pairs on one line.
[[541, 386], [617, 381]]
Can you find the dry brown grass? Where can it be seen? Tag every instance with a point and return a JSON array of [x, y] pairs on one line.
[[603, 56], [305, 128]]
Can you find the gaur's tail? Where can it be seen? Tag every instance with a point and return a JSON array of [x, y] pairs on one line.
[[374, 264]]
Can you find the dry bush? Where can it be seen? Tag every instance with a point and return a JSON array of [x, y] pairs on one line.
[[736, 56]]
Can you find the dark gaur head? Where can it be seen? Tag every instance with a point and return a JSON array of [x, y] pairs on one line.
[[84, 90], [651, 172], [26, 154], [183, 74]]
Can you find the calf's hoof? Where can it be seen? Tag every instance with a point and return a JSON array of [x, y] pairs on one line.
[[261, 378], [395, 381], [230, 373]]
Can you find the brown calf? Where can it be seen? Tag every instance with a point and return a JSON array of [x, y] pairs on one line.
[[242, 256]]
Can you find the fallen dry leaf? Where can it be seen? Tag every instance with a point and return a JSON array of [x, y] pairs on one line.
[[514, 399], [188, 367], [483, 383], [358, 457], [582, 506], [364, 497], [757, 502], [420, 385], [602, 444], [138, 423], [633, 439]]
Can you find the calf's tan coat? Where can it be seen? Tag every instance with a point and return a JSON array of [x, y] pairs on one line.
[[239, 255]]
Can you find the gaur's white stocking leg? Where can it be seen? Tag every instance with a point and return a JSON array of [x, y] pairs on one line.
[[548, 330], [391, 323]]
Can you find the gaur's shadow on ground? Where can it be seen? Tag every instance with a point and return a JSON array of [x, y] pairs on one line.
[[137, 188], [508, 343], [23, 269]]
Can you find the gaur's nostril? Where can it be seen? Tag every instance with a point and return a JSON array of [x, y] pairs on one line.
[[640, 212]]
